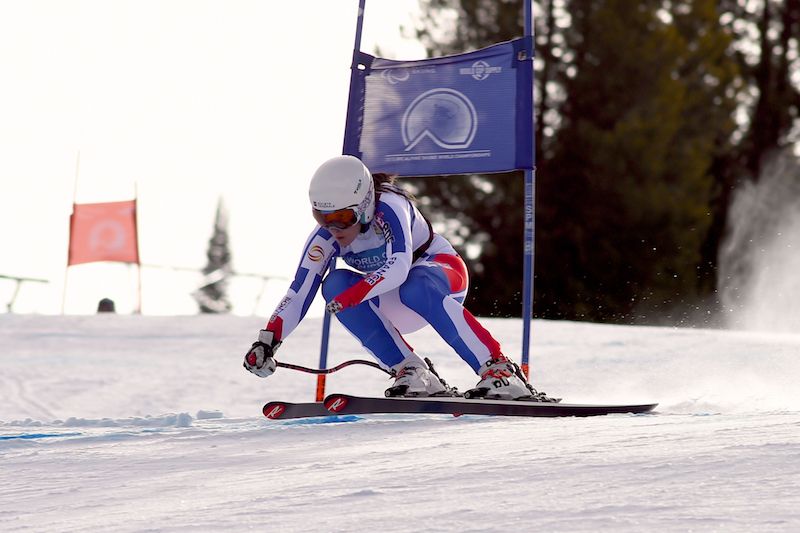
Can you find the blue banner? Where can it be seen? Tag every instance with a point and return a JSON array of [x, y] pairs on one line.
[[460, 114]]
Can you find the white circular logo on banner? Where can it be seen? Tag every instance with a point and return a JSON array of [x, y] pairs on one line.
[[445, 116]]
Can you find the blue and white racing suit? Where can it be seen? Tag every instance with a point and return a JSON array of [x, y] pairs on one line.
[[391, 293]]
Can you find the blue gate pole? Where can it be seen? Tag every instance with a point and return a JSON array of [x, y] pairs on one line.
[[326, 320], [530, 218], [323, 350]]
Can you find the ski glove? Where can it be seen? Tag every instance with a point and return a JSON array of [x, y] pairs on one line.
[[349, 297], [334, 306], [259, 359]]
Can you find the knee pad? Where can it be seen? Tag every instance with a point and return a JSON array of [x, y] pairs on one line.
[[337, 281]]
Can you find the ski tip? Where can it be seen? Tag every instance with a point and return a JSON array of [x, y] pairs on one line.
[[274, 410], [335, 402]]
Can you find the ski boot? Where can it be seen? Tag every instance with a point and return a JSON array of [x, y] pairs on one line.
[[415, 378], [502, 379]]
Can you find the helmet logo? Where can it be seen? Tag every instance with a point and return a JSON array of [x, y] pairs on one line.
[[445, 116], [363, 206]]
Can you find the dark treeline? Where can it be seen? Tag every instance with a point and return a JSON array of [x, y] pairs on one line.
[[650, 114]]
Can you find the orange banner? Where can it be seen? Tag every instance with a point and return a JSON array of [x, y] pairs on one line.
[[103, 232]]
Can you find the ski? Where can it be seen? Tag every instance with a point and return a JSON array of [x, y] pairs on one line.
[[287, 410], [355, 405]]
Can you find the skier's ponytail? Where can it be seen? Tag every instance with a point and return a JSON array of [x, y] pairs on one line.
[[386, 183]]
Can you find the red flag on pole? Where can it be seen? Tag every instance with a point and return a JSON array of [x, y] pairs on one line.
[[103, 232]]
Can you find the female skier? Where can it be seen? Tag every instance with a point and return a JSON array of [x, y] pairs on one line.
[[408, 277]]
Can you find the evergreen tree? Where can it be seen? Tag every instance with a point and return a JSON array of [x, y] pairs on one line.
[[212, 296], [777, 107], [765, 43], [626, 194], [644, 98]]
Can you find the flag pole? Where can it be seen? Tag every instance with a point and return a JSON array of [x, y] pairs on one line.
[[326, 320], [530, 219], [138, 257], [69, 243]]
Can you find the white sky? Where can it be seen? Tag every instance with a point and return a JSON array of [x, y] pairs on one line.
[[189, 99]]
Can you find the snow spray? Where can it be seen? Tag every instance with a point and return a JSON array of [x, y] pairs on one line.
[[759, 276]]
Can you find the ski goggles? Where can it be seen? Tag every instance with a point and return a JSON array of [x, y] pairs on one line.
[[339, 219]]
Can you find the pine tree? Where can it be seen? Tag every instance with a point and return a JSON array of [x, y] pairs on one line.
[[212, 296], [640, 99], [627, 192], [765, 40]]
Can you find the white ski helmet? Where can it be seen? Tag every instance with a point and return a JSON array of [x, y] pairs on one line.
[[343, 182]]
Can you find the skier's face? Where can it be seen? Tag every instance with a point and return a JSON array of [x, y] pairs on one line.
[[345, 236]]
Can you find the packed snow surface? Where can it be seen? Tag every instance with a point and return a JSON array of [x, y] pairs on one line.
[[129, 423]]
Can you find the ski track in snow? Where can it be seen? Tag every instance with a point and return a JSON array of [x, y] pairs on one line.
[[150, 423]]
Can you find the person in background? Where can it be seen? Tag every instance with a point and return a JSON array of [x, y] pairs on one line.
[[106, 305]]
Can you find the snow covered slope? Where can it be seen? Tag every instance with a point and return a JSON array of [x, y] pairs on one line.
[[131, 423]]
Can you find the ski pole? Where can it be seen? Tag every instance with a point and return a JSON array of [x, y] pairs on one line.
[[333, 369]]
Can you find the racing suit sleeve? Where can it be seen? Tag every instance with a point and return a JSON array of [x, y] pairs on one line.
[[320, 248]]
